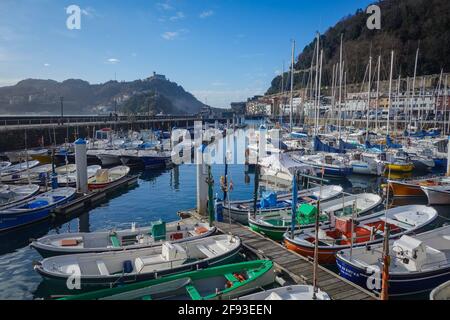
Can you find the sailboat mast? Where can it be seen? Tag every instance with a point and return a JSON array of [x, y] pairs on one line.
[[390, 91], [282, 95], [318, 93], [437, 99], [341, 70], [445, 106], [413, 90], [421, 97], [332, 94], [368, 98], [316, 82], [292, 86], [397, 99], [378, 92]]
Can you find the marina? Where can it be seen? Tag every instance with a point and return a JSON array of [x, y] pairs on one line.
[[117, 204], [327, 179]]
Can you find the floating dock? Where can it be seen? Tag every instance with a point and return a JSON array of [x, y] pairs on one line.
[[297, 267], [88, 201]]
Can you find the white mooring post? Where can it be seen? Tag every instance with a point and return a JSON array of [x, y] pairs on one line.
[[202, 186], [81, 163]]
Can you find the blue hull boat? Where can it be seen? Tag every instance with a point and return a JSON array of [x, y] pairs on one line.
[[35, 209], [418, 264]]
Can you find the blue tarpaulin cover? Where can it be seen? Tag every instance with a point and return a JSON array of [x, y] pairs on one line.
[[269, 200]]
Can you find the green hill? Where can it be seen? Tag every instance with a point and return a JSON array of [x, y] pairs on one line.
[[405, 24]]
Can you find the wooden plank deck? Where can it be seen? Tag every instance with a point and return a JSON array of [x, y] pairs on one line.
[[296, 266]]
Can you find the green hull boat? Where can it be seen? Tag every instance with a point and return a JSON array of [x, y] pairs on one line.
[[276, 224], [224, 282]]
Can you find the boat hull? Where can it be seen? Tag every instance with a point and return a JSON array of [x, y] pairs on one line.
[[109, 160], [89, 283], [399, 167], [402, 189], [272, 233], [12, 221], [325, 256], [399, 285], [437, 197]]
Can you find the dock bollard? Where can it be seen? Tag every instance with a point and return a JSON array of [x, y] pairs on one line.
[[202, 186], [81, 163]]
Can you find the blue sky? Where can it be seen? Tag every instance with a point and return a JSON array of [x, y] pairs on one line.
[[220, 50]]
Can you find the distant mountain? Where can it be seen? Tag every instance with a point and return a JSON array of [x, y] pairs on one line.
[[405, 25], [80, 97]]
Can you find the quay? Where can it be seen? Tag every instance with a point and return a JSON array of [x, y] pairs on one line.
[[34, 131], [297, 267], [90, 199]]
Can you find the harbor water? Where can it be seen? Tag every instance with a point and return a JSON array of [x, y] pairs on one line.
[[159, 194]]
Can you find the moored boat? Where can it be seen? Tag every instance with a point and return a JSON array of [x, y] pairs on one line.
[[413, 187], [128, 266], [221, 282], [271, 202], [13, 194], [332, 164], [41, 155], [34, 209], [38, 174], [70, 179], [442, 292], [105, 177], [19, 167], [297, 292], [275, 224], [118, 240], [4, 165], [367, 230], [418, 263], [439, 194]]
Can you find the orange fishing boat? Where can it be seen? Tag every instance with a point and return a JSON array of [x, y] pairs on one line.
[[367, 230], [411, 188]]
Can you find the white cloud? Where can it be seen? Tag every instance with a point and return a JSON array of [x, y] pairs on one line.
[[172, 35], [206, 14], [164, 6], [112, 61], [46, 65], [178, 16], [89, 12]]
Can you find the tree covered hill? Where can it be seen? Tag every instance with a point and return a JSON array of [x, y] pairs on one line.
[[405, 25], [81, 97]]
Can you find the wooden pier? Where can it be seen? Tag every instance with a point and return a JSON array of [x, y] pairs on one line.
[[297, 267], [89, 200]]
